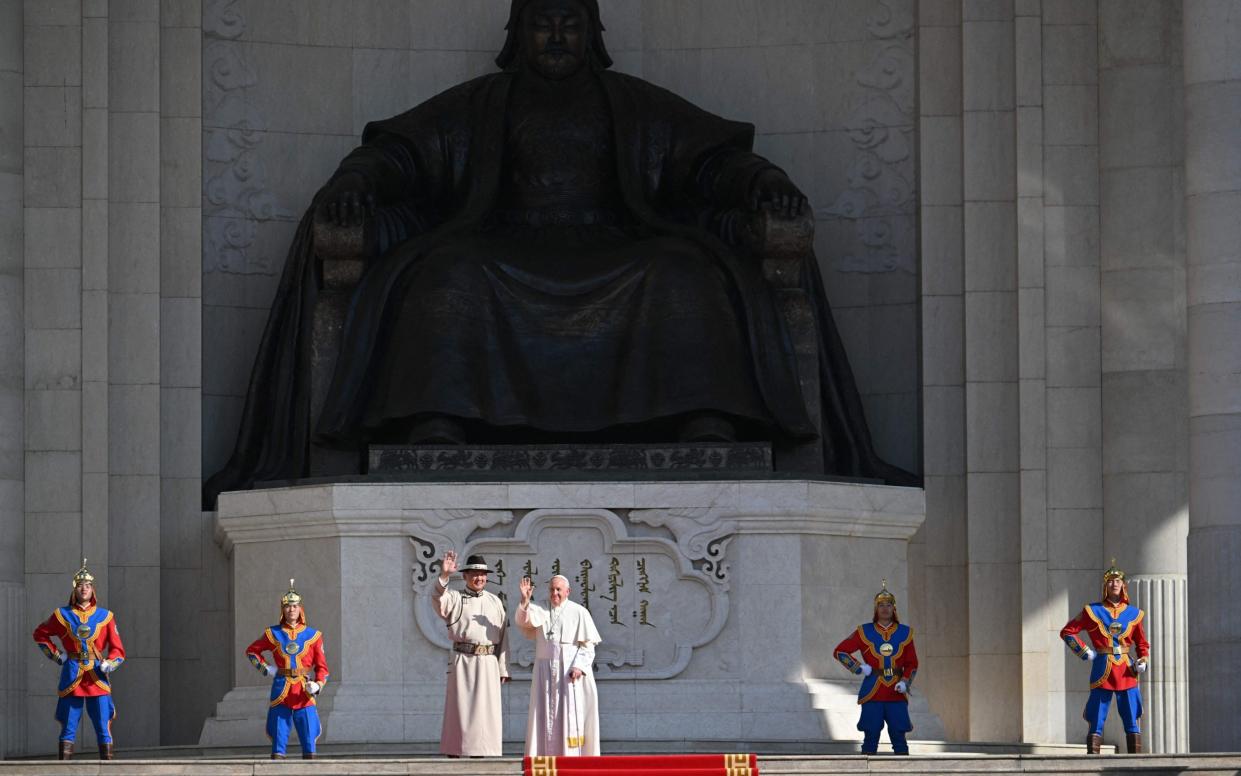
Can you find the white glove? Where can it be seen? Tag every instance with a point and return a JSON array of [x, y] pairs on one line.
[[1088, 654], [866, 669], [269, 670], [1141, 667], [107, 666], [313, 687], [901, 687]]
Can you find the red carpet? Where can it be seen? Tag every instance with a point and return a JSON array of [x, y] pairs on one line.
[[659, 764]]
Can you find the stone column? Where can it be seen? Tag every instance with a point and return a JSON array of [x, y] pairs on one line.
[[1036, 617], [12, 369], [1213, 201], [52, 323], [945, 573], [133, 357], [1145, 414], [186, 656], [992, 416]]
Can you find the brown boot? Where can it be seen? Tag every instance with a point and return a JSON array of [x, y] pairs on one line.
[[105, 751], [1094, 744], [66, 750], [308, 755], [275, 756], [1134, 740]]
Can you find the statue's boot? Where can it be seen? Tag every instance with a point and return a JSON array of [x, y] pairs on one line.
[[1134, 741], [308, 755], [437, 430], [708, 427], [105, 751], [1094, 743], [275, 756], [66, 751]]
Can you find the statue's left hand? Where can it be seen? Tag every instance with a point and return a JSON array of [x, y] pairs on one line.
[[771, 189]]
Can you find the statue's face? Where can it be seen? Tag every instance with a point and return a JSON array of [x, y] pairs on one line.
[[554, 36]]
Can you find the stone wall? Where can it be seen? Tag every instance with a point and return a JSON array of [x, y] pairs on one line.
[[1053, 351], [108, 263]]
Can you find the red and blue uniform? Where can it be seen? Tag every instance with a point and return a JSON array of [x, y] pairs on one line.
[[298, 657], [890, 653], [88, 635], [1112, 629]]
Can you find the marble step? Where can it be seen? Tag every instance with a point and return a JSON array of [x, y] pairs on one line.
[[770, 765]]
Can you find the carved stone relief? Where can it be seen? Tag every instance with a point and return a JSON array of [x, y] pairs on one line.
[[879, 197], [653, 601], [235, 192]]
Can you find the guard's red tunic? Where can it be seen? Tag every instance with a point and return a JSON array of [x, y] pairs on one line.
[[81, 677], [309, 662], [904, 662], [1120, 673]]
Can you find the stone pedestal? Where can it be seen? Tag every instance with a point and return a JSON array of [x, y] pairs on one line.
[[719, 603]]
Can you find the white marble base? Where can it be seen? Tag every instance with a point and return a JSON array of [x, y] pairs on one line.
[[719, 603]]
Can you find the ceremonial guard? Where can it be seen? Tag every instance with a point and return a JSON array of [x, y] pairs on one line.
[[478, 626], [888, 665], [1113, 626], [298, 670], [92, 651]]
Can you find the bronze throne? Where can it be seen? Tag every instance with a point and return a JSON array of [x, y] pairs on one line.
[[783, 244]]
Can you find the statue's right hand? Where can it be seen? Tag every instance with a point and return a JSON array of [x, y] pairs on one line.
[[347, 200]]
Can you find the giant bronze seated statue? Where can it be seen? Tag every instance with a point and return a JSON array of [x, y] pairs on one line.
[[553, 252]]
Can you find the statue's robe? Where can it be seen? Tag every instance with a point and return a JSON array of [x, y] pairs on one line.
[[677, 168]]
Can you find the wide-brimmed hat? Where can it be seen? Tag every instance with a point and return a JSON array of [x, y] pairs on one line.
[[476, 563]]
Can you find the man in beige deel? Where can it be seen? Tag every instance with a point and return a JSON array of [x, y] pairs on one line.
[[478, 663]]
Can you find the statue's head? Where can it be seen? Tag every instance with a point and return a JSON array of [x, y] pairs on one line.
[[555, 38]]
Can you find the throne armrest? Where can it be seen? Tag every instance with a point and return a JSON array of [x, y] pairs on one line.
[[342, 250], [781, 243]]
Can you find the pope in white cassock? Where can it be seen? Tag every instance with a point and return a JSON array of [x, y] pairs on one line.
[[564, 702]]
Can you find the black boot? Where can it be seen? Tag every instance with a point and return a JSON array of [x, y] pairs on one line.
[[1094, 743], [66, 750], [1134, 740], [105, 751]]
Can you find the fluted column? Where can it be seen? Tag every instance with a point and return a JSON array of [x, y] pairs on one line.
[[1165, 686], [1213, 201]]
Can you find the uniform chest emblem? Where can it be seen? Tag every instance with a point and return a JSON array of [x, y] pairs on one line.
[[292, 648], [886, 649], [1115, 628], [84, 632]]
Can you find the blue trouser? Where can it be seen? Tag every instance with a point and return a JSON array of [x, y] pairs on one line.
[[280, 719], [874, 715], [1128, 703], [100, 708]]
